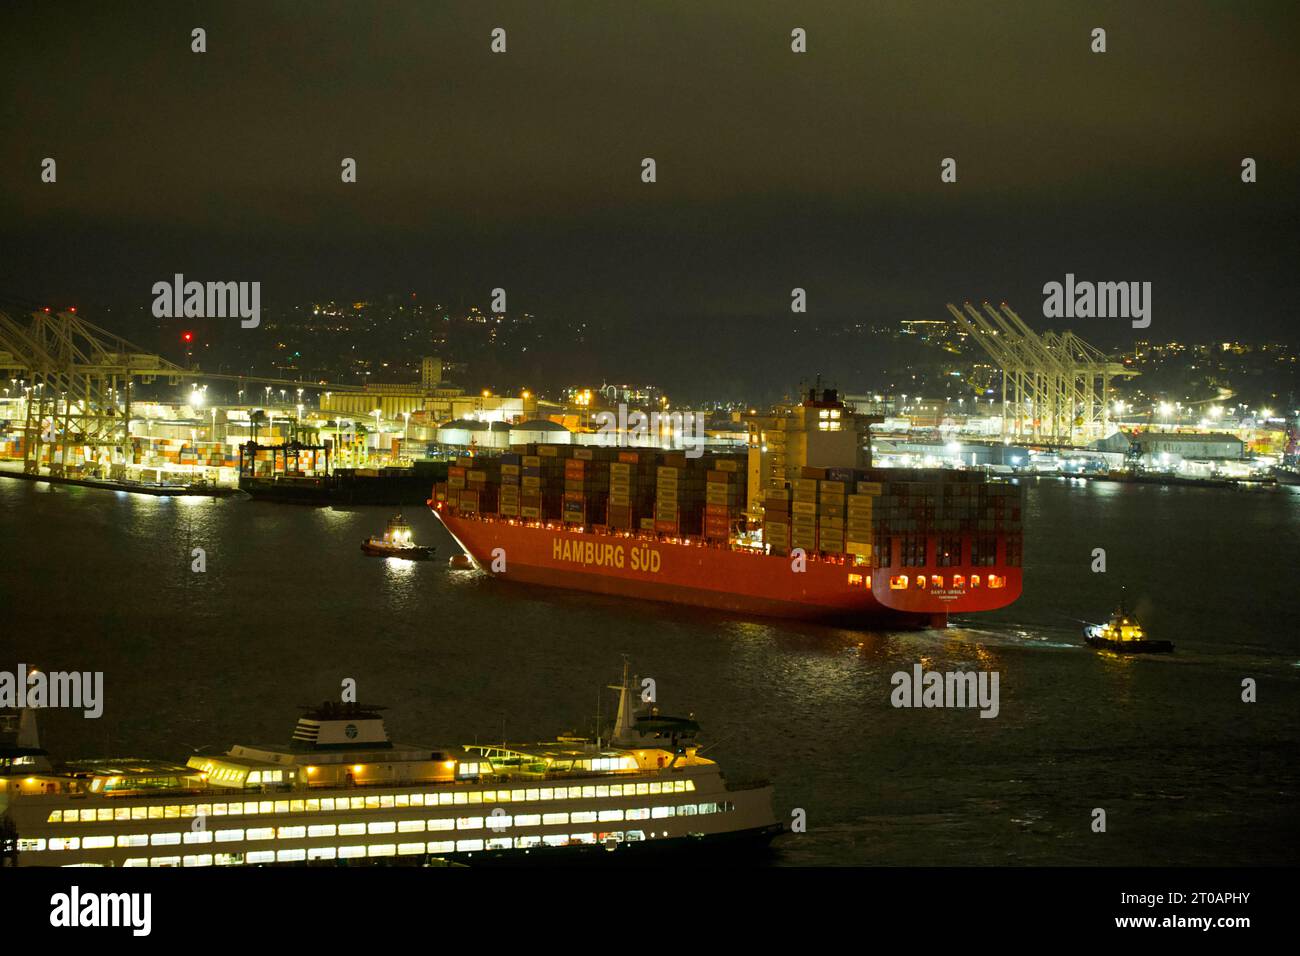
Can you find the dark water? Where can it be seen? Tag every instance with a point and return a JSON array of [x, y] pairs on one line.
[[288, 607]]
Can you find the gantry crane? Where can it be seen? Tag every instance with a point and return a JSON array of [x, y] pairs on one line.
[[1055, 387]]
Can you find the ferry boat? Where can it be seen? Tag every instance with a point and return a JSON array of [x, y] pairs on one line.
[[396, 543], [1125, 635], [342, 793]]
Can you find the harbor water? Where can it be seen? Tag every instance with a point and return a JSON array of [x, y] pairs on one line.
[[288, 608]]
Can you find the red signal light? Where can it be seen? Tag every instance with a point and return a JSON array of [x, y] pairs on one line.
[[188, 336]]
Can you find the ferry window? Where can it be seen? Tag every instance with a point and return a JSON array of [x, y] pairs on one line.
[[164, 839], [383, 849], [855, 580], [290, 856], [459, 798], [351, 829], [997, 581], [684, 785], [105, 814], [410, 849], [321, 830], [525, 842], [516, 795], [56, 816], [137, 813], [261, 833], [402, 800], [657, 787], [444, 799], [133, 839], [582, 838], [198, 836], [639, 813], [642, 789], [468, 846], [65, 843], [176, 860], [442, 846], [290, 833], [658, 813], [327, 803], [959, 580], [528, 820], [321, 853], [96, 842], [602, 792], [898, 582], [476, 796], [386, 802], [588, 792], [974, 580], [687, 810], [255, 777], [410, 826], [372, 803], [29, 846], [534, 794], [229, 836], [442, 824], [121, 813], [555, 819], [295, 806], [610, 816], [350, 852], [583, 816], [313, 806], [556, 839], [469, 823], [499, 843], [920, 581], [936, 580], [265, 806], [417, 799]]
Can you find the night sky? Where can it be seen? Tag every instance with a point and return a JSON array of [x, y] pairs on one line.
[[775, 170]]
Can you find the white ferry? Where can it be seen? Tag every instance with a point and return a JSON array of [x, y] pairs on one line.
[[342, 793]]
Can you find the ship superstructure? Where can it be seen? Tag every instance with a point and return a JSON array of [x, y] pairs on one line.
[[342, 792]]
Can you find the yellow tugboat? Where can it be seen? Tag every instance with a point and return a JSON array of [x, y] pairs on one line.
[[1124, 635], [396, 543]]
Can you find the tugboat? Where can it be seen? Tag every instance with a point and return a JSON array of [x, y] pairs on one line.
[[1124, 635], [396, 543]]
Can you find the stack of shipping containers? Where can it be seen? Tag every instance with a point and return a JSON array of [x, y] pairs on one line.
[[724, 498], [776, 519]]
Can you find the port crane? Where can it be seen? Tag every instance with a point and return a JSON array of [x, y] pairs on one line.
[[79, 383], [1055, 386]]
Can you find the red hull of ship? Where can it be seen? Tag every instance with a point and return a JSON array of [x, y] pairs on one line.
[[725, 579]]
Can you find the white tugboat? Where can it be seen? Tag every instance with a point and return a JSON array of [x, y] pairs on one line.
[[341, 792], [396, 543]]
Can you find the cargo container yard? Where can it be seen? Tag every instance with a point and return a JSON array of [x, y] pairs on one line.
[[835, 544]]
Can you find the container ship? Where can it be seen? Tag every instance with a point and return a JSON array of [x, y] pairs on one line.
[[340, 792], [761, 532]]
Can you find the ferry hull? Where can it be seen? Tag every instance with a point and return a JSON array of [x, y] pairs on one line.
[[719, 578]]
